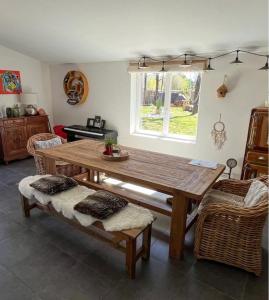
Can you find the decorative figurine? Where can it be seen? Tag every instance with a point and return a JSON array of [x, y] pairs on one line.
[[223, 90]]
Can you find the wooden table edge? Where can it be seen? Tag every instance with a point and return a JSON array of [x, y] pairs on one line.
[[158, 187]]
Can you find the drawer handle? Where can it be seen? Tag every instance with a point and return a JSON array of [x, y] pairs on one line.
[[261, 158]]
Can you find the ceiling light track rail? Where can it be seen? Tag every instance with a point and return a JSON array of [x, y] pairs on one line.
[[144, 60]]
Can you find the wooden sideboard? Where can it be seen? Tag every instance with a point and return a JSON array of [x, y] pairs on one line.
[[256, 154], [14, 133]]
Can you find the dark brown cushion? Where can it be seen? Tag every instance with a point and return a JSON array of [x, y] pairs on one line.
[[54, 184], [101, 205]]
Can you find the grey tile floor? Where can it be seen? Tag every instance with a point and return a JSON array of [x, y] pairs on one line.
[[44, 258]]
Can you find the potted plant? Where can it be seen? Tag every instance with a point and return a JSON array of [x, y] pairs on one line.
[[109, 146]]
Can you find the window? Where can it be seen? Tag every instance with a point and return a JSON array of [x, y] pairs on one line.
[[166, 104]]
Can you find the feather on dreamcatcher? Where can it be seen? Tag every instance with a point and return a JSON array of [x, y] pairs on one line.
[[218, 133]]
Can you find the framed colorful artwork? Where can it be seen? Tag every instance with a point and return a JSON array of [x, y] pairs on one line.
[[10, 82]]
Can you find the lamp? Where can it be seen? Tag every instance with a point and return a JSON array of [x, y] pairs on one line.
[[186, 63], [265, 67], [141, 64], [237, 60], [144, 65], [29, 101], [163, 69], [209, 68]]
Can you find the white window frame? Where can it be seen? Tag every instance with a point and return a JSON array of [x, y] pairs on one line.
[[137, 94]]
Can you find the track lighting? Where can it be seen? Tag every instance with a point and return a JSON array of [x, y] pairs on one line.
[[187, 63], [163, 69], [237, 60], [265, 67], [144, 65], [209, 68]]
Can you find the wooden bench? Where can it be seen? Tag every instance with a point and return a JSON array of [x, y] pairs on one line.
[[161, 207], [125, 241]]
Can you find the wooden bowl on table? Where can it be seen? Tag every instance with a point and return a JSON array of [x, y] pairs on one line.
[[123, 155]]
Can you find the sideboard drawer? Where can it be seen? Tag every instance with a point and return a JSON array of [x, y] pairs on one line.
[[14, 122], [257, 157], [254, 170], [14, 133], [37, 119]]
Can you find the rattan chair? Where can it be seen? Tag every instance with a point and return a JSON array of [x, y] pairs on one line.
[[231, 233], [62, 168]]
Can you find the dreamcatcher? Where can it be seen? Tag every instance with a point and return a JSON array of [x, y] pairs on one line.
[[218, 133]]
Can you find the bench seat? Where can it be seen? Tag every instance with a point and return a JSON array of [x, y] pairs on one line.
[[124, 240], [114, 238]]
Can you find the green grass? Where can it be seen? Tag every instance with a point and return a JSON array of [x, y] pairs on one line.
[[181, 122]]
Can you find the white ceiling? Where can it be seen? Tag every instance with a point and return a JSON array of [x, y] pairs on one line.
[[65, 31]]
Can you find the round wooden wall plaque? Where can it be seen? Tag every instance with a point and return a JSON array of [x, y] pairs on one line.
[[76, 87]]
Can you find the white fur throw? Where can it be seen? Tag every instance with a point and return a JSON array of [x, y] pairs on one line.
[[24, 186], [132, 216], [257, 192]]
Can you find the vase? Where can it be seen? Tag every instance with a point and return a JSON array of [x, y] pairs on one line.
[[9, 112], [109, 150], [15, 112]]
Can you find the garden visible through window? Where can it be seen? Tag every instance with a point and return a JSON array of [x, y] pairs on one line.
[[167, 104]]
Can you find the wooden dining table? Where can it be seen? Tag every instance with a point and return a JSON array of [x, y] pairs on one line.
[[169, 174]]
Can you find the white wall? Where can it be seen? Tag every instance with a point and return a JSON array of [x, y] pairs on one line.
[[110, 97], [34, 78]]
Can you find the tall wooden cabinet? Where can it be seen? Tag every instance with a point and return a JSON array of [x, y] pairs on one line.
[[14, 133], [256, 154]]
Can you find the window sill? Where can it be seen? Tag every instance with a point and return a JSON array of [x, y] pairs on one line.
[[165, 138]]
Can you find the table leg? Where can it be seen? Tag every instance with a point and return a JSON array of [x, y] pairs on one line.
[[178, 226], [93, 176], [50, 165]]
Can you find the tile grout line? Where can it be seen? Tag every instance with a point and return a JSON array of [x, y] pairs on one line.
[[216, 289], [244, 288], [19, 279]]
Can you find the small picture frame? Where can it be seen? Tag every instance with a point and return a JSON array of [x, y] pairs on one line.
[[103, 124], [90, 122], [97, 122]]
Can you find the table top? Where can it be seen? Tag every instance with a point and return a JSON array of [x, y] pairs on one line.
[[162, 172]]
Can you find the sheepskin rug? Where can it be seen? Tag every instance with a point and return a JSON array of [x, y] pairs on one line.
[[132, 216]]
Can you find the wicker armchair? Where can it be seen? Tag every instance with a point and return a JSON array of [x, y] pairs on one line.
[[62, 168], [231, 233]]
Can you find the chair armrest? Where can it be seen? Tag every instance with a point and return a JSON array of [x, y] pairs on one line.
[[233, 186], [233, 211], [228, 219]]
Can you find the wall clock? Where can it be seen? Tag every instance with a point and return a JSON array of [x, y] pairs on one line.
[[76, 87]]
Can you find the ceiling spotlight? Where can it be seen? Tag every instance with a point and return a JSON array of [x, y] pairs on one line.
[[237, 60], [163, 69], [186, 63], [143, 65], [265, 67], [209, 68]]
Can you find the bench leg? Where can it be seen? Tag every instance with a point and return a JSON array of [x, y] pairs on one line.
[[146, 243], [91, 175], [97, 173], [25, 206], [131, 257]]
